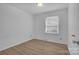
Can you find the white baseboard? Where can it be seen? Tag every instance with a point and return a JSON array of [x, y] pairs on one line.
[[27, 39], [16, 44], [44, 39]]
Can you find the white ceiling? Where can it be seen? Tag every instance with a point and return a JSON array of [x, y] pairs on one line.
[[34, 9]]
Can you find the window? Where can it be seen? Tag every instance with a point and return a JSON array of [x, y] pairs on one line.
[[52, 25]]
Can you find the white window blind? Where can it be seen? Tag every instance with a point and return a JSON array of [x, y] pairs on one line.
[[52, 25]]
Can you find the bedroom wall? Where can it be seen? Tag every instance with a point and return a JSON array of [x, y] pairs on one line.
[[15, 26], [39, 26], [73, 28]]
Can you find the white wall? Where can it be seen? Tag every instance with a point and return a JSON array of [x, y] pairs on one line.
[[73, 28], [15, 26], [39, 26]]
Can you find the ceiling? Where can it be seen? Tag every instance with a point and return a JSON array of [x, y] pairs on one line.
[[34, 9]]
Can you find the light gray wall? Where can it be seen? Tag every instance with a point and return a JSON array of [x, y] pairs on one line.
[[39, 26], [15, 26], [73, 28]]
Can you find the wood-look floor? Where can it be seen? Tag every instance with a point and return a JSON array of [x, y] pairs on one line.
[[37, 47]]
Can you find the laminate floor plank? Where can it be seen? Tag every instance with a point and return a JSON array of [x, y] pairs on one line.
[[37, 47]]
